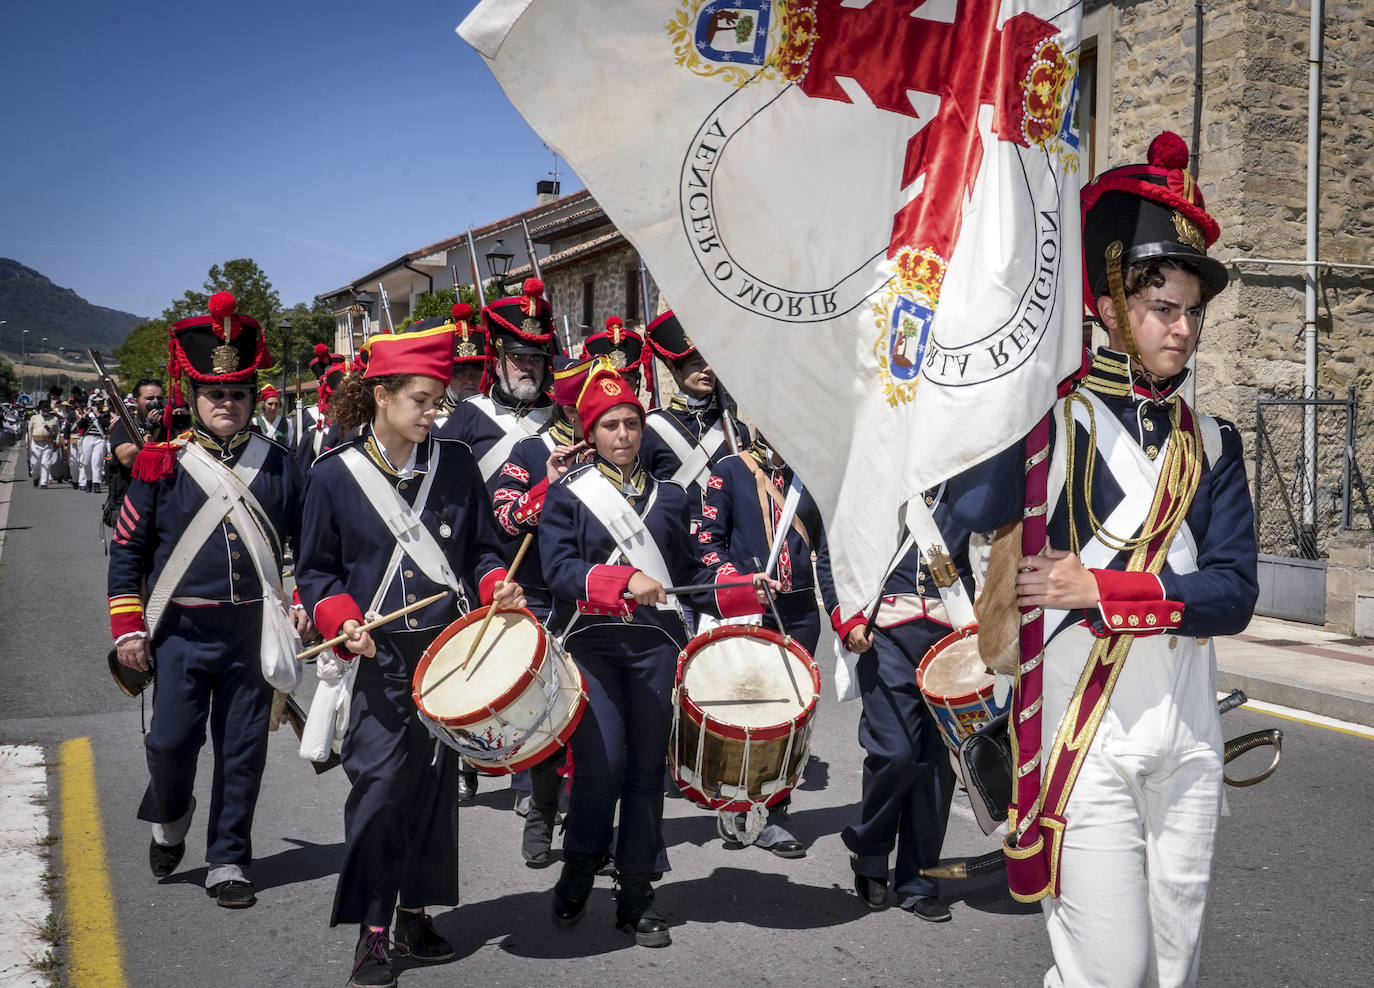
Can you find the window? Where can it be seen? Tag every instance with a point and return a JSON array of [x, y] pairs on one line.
[[631, 294], [588, 301]]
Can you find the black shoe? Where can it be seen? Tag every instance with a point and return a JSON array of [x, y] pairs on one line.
[[233, 894], [371, 961], [634, 911], [928, 908], [574, 887], [787, 849], [467, 786], [164, 858], [872, 891], [415, 934], [536, 844]]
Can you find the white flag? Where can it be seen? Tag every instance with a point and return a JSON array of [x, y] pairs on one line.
[[865, 213]]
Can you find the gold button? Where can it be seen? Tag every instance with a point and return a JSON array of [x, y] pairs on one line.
[[930, 501], [1149, 426], [233, 536], [1203, 641], [234, 555], [1173, 641], [1176, 617], [409, 573], [414, 623], [410, 598], [1133, 620], [236, 576], [1116, 619], [1152, 451], [1150, 619], [629, 617], [236, 598], [402, 485]]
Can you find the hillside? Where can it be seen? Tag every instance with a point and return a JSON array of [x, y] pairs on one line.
[[28, 300]]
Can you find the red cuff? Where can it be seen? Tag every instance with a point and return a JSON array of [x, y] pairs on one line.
[[843, 628], [331, 613], [296, 597], [126, 615], [1141, 617], [606, 586], [531, 503], [736, 601], [486, 589], [1113, 584]]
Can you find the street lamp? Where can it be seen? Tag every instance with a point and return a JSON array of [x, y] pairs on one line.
[[498, 263], [40, 367], [23, 365]]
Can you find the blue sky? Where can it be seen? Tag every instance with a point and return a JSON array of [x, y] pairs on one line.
[[142, 142]]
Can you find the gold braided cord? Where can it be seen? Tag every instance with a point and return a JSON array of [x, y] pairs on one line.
[[1182, 469], [1116, 284]]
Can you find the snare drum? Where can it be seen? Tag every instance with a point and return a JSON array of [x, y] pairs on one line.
[[517, 700], [744, 706], [957, 686]]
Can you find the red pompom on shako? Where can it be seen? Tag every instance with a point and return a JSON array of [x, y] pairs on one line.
[[624, 348], [223, 347], [1154, 210], [521, 323]]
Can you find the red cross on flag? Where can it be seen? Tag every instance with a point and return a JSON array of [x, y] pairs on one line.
[[865, 213]]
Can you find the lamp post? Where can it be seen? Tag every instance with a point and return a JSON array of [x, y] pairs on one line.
[[24, 364], [498, 263], [364, 300], [40, 366]]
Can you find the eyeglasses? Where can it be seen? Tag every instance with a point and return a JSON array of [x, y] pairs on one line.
[[217, 395]]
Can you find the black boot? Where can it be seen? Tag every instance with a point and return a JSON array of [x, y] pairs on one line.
[[634, 911], [372, 961], [574, 887]]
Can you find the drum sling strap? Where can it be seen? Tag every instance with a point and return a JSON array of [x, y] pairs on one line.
[[513, 429], [1033, 870], [694, 457], [787, 509]]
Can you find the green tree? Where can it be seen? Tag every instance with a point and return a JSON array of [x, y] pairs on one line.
[[310, 324], [440, 303], [249, 284], [142, 354], [9, 380]]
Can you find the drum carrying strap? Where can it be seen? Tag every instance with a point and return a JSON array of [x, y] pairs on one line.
[[694, 457], [788, 508], [625, 526], [921, 524], [402, 520]]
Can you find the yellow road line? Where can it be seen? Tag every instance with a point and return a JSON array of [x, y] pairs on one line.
[[95, 956]]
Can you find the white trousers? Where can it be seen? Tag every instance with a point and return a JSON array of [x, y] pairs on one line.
[[42, 458], [92, 460], [1136, 865]]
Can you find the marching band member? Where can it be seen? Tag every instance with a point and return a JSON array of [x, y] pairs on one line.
[[401, 817], [42, 433], [907, 777], [608, 529], [520, 345], [518, 500], [202, 528], [1152, 554], [321, 434], [686, 438], [94, 427], [470, 375], [269, 419], [747, 497]]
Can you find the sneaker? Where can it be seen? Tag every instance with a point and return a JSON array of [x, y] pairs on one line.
[[371, 961], [415, 935]]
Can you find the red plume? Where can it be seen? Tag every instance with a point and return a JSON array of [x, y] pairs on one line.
[[222, 312], [461, 312], [321, 351], [533, 287], [1168, 150]]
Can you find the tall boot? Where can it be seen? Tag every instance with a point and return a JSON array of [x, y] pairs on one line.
[[634, 911], [574, 887]]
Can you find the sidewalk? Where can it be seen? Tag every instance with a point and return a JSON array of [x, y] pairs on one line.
[[1301, 666]]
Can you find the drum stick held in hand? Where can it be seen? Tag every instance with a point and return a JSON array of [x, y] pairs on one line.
[[697, 588], [510, 574], [315, 650]]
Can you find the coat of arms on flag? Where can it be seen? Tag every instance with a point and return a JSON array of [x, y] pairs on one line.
[[864, 212]]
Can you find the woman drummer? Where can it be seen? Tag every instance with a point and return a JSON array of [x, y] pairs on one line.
[[401, 818], [610, 537]]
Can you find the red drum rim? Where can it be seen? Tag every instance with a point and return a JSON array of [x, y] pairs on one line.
[[733, 731], [953, 699], [558, 742], [521, 684]]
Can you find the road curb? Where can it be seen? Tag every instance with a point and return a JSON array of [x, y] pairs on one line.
[[1327, 702]]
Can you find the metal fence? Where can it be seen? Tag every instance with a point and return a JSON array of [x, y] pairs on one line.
[[1310, 486]]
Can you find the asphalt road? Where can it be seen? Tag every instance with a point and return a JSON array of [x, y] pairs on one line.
[[1291, 897]]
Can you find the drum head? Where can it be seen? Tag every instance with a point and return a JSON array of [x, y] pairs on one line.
[[749, 681], [512, 643], [954, 670]]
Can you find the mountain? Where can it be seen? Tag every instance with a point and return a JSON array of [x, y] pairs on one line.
[[29, 300]]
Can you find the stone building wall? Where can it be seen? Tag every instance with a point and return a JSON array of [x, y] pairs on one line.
[[613, 271], [1252, 171]]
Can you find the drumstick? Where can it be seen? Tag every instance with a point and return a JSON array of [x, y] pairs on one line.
[[315, 650], [515, 565], [697, 588]]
